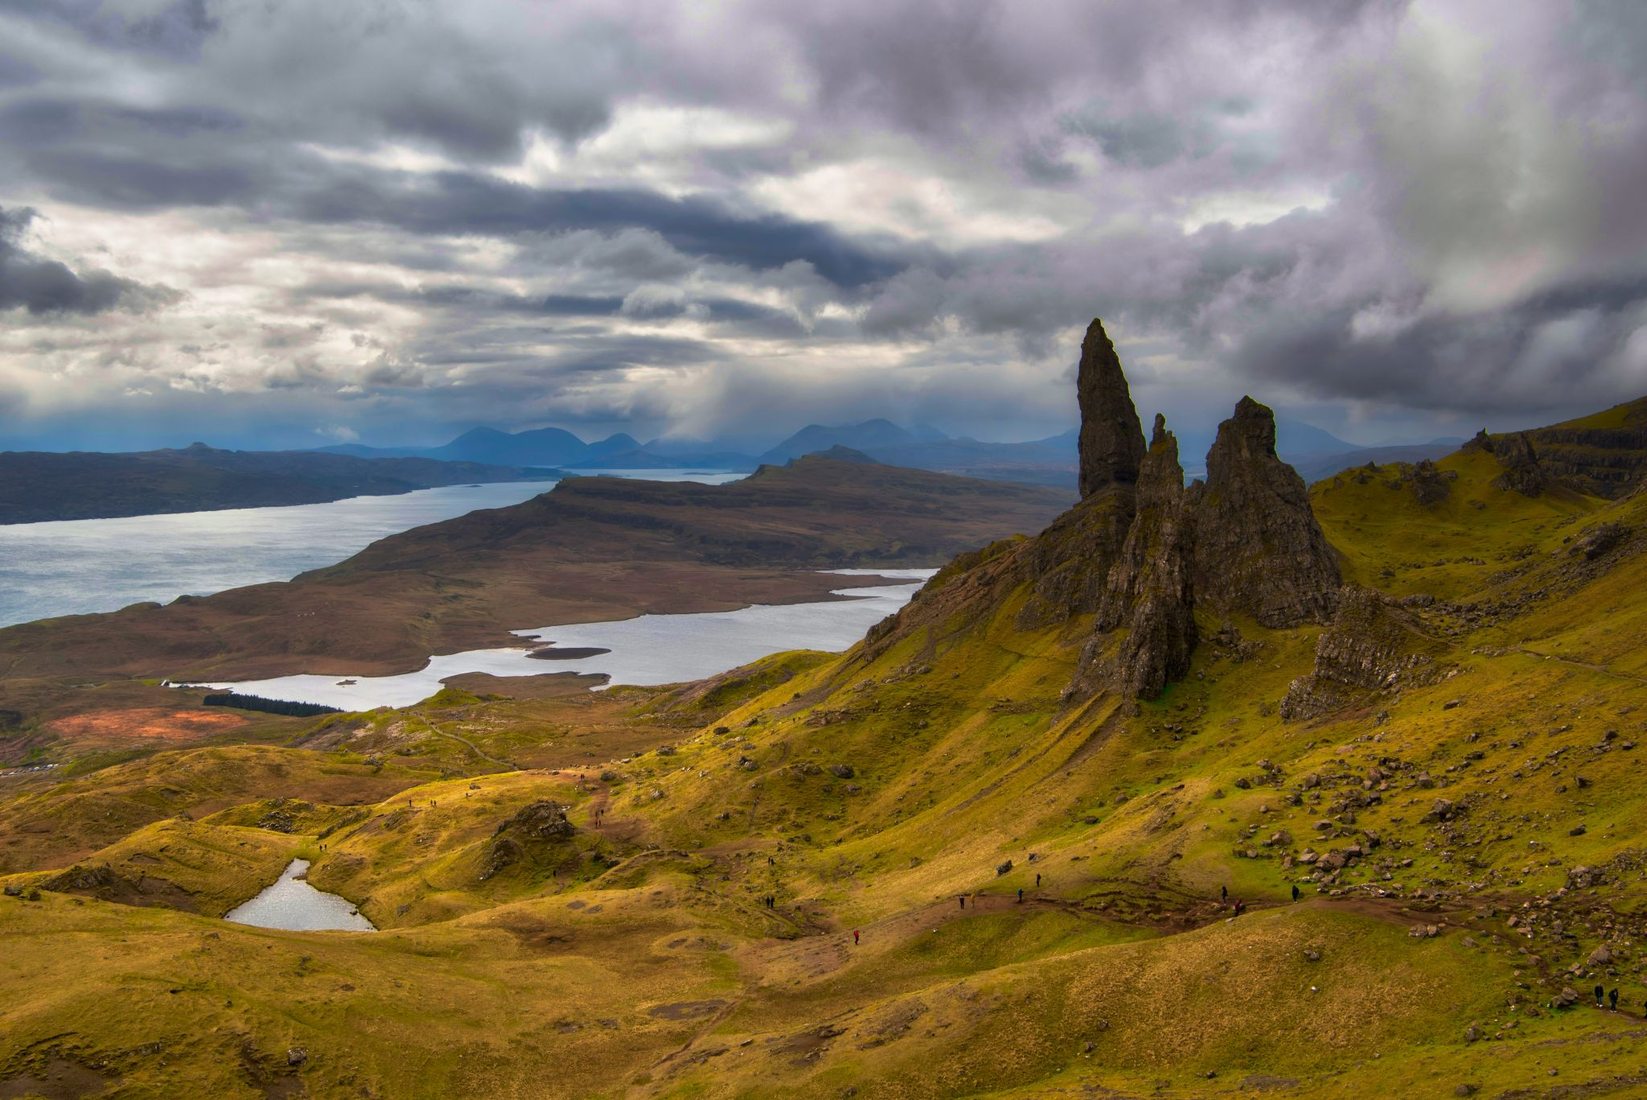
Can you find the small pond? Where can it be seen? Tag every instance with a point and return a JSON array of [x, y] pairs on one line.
[[292, 904]]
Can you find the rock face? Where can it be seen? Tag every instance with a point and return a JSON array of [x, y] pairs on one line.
[[1372, 646], [1148, 589], [1258, 548], [534, 826], [1429, 485], [1112, 440], [1522, 471], [1141, 553]]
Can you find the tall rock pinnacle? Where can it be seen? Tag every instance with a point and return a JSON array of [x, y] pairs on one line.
[[1149, 589], [1112, 440], [1258, 547]]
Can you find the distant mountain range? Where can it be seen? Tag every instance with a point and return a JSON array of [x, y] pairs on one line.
[[41, 485], [1050, 461]]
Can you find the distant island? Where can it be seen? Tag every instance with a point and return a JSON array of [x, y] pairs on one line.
[[38, 485]]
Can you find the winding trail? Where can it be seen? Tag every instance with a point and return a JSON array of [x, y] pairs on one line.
[[481, 753], [1603, 669]]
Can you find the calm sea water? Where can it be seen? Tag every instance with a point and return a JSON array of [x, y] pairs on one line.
[[649, 649], [71, 567]]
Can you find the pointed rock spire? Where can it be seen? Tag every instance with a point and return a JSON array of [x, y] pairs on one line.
[[1150, 587], [1258, 547], [1112, 440]]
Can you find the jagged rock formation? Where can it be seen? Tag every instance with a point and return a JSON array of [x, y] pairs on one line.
[[1112, 440], [1522, 471], [1140, 552], [1259, 550], [1148, 589], [1070, 560], [1429, 485], [1373, 645], [538, 824]]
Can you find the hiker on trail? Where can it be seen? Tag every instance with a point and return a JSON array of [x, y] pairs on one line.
[[1020, 895], [1599, 992], [1296, 892], [963, 901], [1037, 878], [854, 936], [1223, 893], [1240, 907], [1613, 998]]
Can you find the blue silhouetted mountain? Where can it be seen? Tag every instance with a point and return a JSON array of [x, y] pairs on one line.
[[539, 447], [870, 436]]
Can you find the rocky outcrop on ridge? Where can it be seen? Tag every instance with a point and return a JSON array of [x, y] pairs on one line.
[[1258, 549], [1523, 473], [1148, 589], [536, 825], [1372, 646], [1140, 551], [1070, 560], [1112, 440]]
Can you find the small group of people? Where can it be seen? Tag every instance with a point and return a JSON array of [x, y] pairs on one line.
[[1612, 1000], [1240, 906]]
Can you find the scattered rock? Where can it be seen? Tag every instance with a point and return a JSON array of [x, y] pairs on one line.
[[1600, 540], [1003, 868], [842, 771]]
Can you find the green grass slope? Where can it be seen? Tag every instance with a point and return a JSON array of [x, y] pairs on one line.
[[803, 878]]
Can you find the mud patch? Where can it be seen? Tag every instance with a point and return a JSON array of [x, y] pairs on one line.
[[143, 724], [57, 1079], [686, 1010]]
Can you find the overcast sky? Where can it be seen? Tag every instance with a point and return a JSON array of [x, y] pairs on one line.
[[293, 222]]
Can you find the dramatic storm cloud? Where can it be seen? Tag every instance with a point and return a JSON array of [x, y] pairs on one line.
[[391, 220]]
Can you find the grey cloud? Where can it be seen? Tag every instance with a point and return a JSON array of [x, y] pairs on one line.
[[44, 286], [460, 203], [1472, 231], [1567, 347], [175, 30]]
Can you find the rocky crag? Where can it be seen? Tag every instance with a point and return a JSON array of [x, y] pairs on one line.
[[1142, 554]]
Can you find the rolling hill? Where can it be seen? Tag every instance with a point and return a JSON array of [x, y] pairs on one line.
[[1205, 790]]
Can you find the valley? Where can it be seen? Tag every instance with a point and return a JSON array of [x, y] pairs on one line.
[[1038, 833]]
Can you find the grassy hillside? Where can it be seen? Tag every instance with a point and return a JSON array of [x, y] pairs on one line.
[[802, 878]]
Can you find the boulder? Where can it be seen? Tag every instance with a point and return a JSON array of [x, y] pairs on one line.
[[542, 820]]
